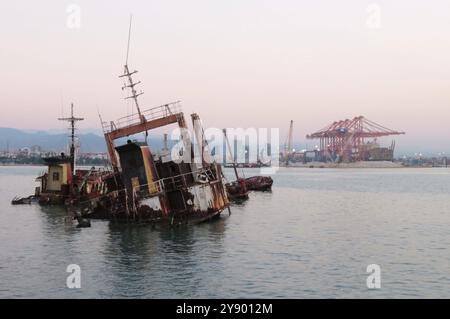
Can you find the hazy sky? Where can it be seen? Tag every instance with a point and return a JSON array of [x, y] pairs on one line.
[[238, 63]]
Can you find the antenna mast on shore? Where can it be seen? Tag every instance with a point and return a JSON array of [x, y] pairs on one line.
[[72, 120]]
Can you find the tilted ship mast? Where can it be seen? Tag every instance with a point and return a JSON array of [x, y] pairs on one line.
[[156, 117], [72, 120], [126, 73]]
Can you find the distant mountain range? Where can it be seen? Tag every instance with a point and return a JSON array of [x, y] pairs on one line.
[[48, 141]]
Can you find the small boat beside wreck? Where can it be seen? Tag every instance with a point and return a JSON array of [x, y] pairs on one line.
[[23, 200], [238, 190], [259, 183], [62, 183]]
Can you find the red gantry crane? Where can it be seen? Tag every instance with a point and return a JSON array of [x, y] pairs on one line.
[[346, 140]]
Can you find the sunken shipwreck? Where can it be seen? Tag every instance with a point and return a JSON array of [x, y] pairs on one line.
[[139, 185]]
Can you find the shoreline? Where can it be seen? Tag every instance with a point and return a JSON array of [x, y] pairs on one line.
[[361, 165], [366, 164], [291, 165]]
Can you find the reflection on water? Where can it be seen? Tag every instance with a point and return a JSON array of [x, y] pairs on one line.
[[313, 236]]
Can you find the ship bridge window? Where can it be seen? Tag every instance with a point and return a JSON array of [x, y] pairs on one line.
[[55, 176]]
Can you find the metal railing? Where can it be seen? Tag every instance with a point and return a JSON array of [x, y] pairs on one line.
[[176, 182], [149, 115], [179, 181]]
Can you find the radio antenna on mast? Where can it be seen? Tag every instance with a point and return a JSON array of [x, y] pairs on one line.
[[129, 36], [134, 95]]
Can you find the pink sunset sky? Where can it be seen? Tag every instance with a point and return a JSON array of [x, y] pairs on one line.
[[238, 63]]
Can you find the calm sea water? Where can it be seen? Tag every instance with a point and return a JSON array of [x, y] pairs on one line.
[[311, 237]]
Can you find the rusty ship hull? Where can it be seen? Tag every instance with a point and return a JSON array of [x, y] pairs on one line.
[[178, 201], [155, 188]]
